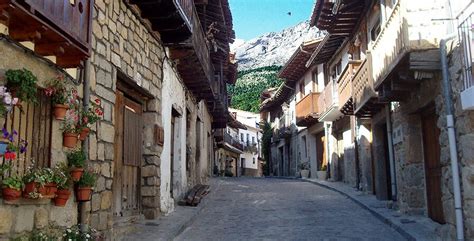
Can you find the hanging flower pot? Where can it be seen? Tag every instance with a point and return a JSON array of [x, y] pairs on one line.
[[83, 194], [60, 111], [84, 133], [62, 196], [50, 189], [70, 139], [76, 173], [10, 194]]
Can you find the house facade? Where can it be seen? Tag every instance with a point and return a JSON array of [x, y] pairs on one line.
[[250, 137], [161, 88], [389, 114]]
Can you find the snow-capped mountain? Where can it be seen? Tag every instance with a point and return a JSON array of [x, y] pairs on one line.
[[272, 48]]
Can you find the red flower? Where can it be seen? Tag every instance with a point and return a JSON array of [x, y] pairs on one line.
[[49, 91], [97, 101], [10, 155]]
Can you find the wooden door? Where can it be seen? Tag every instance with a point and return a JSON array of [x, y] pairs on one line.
[[128, 154], [321, 150], [431, 151]]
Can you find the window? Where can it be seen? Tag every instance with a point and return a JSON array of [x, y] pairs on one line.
[[314, 78], [242, 137], [375, 30], [253, 139], [302, 91], [33, 123], [254, 160]]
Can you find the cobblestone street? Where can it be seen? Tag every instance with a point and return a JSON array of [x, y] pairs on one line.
[[283, 209]]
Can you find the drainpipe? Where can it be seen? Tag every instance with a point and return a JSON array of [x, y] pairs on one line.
[[393, 179], [85, 144], [452, 139], [327, 127]]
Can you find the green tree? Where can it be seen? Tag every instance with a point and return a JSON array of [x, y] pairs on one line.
[[250, 84]]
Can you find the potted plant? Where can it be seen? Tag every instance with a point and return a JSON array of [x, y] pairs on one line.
[[89, 117], [34, 180], [85, 186], [11, 189], [7, 101], [12, 146], [22, 84], [58, 91], [304, 169], [322, 173], [50, 184], [69, 128], [63, 181], [76, 161]]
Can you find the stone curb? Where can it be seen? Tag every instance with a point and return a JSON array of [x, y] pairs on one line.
[[379, 216], [200, 208]]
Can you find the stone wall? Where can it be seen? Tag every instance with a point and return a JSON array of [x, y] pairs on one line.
[[464, 124], [18, 219], [364, 141], [122, 44]]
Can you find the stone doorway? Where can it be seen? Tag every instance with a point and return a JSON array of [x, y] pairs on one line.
[[383, 190]]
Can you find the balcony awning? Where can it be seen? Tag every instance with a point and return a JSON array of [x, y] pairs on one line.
[[326, 49], [295, 68], [338, 17]]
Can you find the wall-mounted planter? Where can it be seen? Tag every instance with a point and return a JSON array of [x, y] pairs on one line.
[[83, 194], [61, 198], [76, 173], [84, 133], [70, 139], [60, 111]]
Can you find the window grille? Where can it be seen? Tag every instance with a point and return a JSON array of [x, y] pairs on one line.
[[465, 32], [33, 123]]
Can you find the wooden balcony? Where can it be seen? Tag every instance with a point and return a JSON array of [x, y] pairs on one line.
[[57, 28], [404, 54], [233, 141], [345, 87], [328, 103], [366, 101], [307, 110], [180, 29]]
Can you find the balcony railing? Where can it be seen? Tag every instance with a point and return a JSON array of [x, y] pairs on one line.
[[186, 9], [307, 109], [328, 103], [345, 87], [398, 38], [233, 141], [57, 28]]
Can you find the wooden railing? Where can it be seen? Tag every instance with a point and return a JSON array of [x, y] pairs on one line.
[[201, 47], [328, 98], [307, 106], [391, 44], [345, 81], [363, 85], [73, 19]]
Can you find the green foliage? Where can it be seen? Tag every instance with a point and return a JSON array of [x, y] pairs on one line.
[[61, 176], [22, 83], [76, 158], [250, 84], [88, 179], [13, 182]]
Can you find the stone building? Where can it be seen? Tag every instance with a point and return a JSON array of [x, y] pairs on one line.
[[376, 105], [163, 95]]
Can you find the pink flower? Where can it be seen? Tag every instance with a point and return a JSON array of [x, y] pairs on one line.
[[7, 99], [49, 91], [97, 101], [15, 101], [3, 90]]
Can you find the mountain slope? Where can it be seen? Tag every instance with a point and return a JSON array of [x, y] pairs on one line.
[[250, 84], [273, 48]]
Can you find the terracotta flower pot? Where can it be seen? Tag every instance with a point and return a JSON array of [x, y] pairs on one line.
[[10, 194], [76, 173], [60, 111], [83, 194], [34, 187], [61, 198], [70, 139], [84, 133], [51, 189]]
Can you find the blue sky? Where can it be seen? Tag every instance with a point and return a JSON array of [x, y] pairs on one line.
[[252, 18]]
